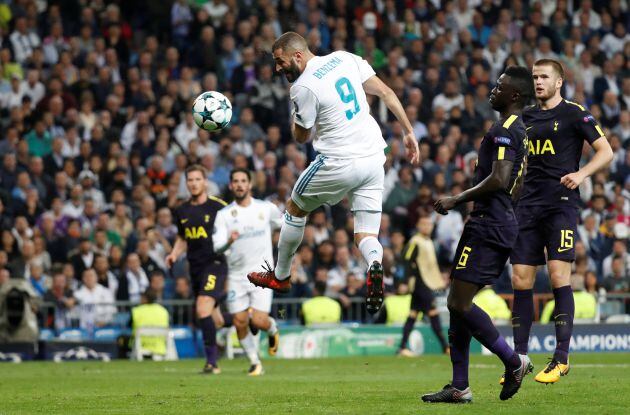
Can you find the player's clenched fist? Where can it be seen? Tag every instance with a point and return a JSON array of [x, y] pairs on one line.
[[233, 237], [572, 180], [442, 206]]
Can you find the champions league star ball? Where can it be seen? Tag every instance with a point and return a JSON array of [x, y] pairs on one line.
[[212, 111]]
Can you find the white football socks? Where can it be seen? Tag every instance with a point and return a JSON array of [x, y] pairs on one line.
[[273, 327], [291, 235], [249, 345]]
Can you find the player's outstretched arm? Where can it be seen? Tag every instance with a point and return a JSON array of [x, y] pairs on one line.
[[179, 248], [374, 86], [603, 156], [497, 180]]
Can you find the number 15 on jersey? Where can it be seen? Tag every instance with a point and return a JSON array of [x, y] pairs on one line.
[[348, 95]]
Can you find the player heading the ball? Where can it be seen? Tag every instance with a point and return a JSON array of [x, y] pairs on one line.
[[329, 95]]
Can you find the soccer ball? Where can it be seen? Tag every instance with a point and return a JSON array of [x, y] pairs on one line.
[[212, 111]]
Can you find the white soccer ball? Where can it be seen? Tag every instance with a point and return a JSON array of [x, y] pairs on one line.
[[212, 111]]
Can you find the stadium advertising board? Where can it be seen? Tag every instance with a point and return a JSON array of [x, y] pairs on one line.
[[586, 338], [65, 351], [17, 352], [300, 342]]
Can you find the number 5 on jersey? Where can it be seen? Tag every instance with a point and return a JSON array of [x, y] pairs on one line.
[[348, 95], [210, 283]]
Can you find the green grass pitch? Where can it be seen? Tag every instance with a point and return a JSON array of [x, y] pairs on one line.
[[598, 384]]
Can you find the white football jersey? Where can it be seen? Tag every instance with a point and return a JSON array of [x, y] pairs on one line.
[[329, 96], [255, 224]]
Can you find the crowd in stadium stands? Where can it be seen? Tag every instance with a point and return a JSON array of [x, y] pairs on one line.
[[96, 128]]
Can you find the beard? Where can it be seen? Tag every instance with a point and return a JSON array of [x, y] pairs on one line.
[[548, 95], [241, 195], [293, 72]]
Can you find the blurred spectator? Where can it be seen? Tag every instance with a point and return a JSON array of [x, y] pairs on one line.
[[181, 314], [618, 281], [20, 265], [104, 275], [591, 285], [63, 299], [149, 314], [320, 309], [157, 285], [619, 250], [94, 302], [134, 281], [23, 41], [39, 140], [337, 276], [39, 280], [403, 193], [181, 16], [83, 258], [355, 288]]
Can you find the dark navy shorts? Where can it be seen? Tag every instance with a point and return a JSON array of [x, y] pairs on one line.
[[540, 227], [422, 298], [209, 280], [482, 252]]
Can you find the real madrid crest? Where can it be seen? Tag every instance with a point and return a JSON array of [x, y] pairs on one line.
[[234, 212]]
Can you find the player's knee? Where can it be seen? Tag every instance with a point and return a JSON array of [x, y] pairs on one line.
[[259, 322], [559, 279], [433, 312], [413, 314], [203, 312], [295, 210], [204, 306], [457, 307], [241, 321], [522, 281]]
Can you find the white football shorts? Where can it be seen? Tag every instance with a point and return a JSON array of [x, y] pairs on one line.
[[328, 180], [242, 294]]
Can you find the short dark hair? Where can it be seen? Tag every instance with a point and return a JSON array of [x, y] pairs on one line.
[[556, 65], [150, 295], [240, 170], [196, 167], [290, 41], [157, 273], [521, 79], [320, 287]]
